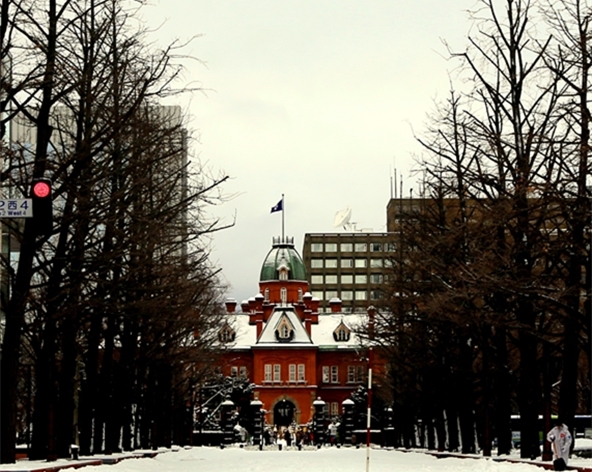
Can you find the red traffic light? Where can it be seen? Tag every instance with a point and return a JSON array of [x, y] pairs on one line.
[[41, 189], [41, 195]]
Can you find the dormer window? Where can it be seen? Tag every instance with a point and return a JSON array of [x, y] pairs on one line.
[[284, 331], [283, 274], [342, 333], [226, 334]]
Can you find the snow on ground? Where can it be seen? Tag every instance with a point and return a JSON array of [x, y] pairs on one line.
[[328, 459]]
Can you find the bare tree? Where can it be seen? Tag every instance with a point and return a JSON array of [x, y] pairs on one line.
[[127, 264]]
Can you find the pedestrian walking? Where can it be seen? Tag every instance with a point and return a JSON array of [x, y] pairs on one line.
[[560, 439]]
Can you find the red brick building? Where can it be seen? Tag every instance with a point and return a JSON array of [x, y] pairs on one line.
[[290, 351]]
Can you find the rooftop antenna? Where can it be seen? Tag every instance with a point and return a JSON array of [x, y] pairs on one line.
[[342, 218]]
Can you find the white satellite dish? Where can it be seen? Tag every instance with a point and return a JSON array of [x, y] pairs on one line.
[[342, 217]]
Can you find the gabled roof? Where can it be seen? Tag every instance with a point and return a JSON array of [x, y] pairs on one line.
[[322, 333], [281, 315]]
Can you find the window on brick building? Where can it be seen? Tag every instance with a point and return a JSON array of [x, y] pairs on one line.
[[334, 374], [334, 409], [301, 376], [277, 372], [326, 374], [292, 372], [355, 373], [268, 377]]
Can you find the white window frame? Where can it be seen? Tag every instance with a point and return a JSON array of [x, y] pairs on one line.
[[268, 377], [301, 373], [277, 373], [334, 374], [326, 374], [351, 374], [292, 372], [334, 409]]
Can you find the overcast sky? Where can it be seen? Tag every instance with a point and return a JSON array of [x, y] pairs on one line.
[[314, 99]]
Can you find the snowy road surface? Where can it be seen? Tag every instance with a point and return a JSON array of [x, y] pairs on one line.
[[234, 459]]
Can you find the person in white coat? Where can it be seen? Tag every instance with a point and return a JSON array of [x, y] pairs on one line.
[[560, 439]]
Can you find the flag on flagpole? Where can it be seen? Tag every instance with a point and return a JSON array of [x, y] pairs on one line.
[[278, 207]]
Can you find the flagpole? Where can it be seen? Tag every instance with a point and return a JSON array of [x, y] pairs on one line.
[[283, 240]]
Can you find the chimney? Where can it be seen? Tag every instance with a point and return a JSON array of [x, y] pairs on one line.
[[252, 304], [230, 305], [314, 304], [335, 304], [245, 306], [259, 299]]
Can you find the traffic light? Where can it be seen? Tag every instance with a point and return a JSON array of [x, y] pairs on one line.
[[42, 206]]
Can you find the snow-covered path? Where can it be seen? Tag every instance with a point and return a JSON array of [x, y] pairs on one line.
[[234, 459]]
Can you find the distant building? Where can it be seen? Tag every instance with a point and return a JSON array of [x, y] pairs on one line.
[[349, 266], [293, 353]]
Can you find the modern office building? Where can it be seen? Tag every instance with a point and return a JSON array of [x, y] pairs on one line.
[[349, 266]]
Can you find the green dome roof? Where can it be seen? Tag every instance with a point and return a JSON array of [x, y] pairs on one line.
[[282, 253]]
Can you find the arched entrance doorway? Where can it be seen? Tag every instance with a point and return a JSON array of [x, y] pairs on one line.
[[283, 413]]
